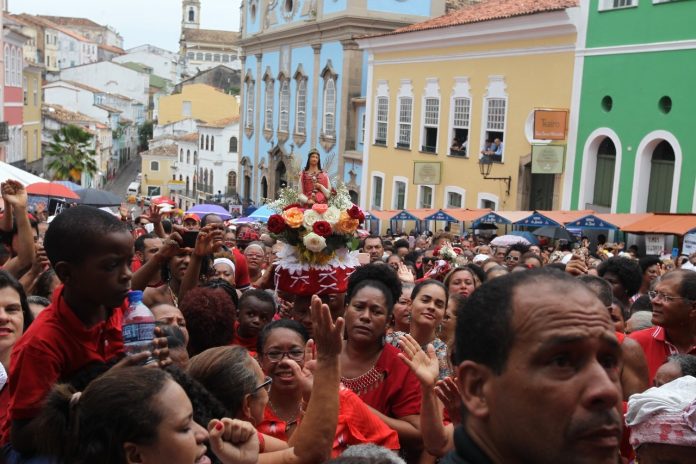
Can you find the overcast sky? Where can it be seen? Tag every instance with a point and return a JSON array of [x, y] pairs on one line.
[[157, 22]]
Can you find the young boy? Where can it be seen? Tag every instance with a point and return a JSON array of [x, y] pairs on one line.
[[256, 309], [90, 251]]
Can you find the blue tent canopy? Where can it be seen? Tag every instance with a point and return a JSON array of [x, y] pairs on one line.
[[404, 216], [440, 216], [591, 222], [536, 220], [491, 218]]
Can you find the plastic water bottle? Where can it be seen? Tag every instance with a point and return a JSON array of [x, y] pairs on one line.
[[138, 328]]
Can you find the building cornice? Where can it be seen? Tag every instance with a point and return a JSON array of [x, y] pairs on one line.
[[638, 48]]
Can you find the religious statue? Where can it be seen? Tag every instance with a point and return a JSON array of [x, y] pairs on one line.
[[313, 181]]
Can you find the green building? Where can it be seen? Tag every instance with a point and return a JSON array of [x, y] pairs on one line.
[[632, 141]]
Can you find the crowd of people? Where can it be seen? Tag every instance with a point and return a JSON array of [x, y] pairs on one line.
[[442, 348]]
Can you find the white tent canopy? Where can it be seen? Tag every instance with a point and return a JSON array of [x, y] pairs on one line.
[[7, 171]]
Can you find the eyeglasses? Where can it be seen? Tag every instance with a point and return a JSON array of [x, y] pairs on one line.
[[266, 385], [659, 295], [277, 356], [512, 258]]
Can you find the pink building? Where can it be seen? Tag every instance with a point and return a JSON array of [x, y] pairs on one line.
[[13, 57]]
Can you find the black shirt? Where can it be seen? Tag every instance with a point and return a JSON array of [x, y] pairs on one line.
[[466, 451]]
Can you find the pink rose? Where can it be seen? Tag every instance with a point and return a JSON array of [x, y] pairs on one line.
[[320, 207]]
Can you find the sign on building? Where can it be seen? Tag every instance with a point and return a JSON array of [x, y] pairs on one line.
[[427, 173], [547, 159], [654, 244], [550, 124]]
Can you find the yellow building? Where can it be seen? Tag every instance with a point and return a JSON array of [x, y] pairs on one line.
[[157, 164], [197, 101], [475, 74], [31, 127]]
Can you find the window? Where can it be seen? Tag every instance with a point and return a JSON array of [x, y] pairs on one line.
[[208, 57], [37, 144], [382, 119], [426, 196], [611, 4], [7, 62], [661, 179], [202, 141], [25, 87], [199, 56], [301, 110], [225, 58], [399, 200], [186, 109], [430, 124], [216, 57], [405, 112], [195, 158], [190, 55], [284, 117], [268, 107], [454, 200], [188, 156], [181, 155], [249, 123], [212, 143], [191, 15], [154, 165], [460, 126], [207, 142], [362, 128], [233, 144], [604, 173], [36, 92], [377, 185], [330, 108]]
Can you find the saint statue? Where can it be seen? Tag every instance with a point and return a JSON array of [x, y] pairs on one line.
[[314, 182]]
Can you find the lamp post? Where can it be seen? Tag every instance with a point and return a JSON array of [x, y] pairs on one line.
[[485, 166]]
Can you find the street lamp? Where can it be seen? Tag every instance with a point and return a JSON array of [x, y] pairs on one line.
[[485, 166]]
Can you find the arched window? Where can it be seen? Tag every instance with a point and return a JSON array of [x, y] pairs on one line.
[[604, 173], [205, 179], [212, 143], [249, 122], [195, 158], [188, 156], [233, 144], [207, 142], [202, 141], [210, 184], [330, 108], [154, 165], [301, 110], [661, 179], [181, 155], [284, 118], [191, 16], [187, 186], [231, 181], [268, 108]]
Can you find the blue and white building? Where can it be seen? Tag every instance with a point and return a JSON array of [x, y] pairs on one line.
[[303, 85]]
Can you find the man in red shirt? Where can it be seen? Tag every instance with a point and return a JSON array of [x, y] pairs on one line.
[[674, 318]]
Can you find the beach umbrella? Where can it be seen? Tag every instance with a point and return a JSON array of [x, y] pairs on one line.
[[507, 240], [261, 214], [531, 238], [205, 209], [71, 185], [554, 233], [94, 197]]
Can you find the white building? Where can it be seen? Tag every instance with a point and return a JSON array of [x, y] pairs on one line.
[[112, 78], [163, 62]]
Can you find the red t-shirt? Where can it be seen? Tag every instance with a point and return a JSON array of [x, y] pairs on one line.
[[390, 387], [241, 271], [356, 425], [656, 347], [248, 343], [54, 348]]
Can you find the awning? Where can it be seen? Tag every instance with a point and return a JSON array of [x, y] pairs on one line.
[[536, 219], [404, 216], [500, 217], [591, 222], [440, 215], [622, 220], [666, 224], [383, 215], [565, 216]]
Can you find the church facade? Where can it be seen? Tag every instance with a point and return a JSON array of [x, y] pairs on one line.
[[203, 49], [304, 79]]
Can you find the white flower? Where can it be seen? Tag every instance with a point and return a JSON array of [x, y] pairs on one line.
[[332, 215], [314, 242], [310, 217]]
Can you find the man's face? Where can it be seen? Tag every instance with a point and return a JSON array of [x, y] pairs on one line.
[[375, 248], [191, 224], [500, 255], [150, 247], [564, 351], [465, 245], [671, 313], [103, 277], [179, 263]]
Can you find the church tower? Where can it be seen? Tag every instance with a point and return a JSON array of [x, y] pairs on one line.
[[190, 14]]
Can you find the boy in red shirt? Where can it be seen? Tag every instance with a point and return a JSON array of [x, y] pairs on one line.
[[90, 251]]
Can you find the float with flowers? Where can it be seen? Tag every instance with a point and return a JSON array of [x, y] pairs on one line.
[[319, 242]]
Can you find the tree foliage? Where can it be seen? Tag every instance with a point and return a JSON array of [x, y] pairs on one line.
[[145, 134], [71, 155]]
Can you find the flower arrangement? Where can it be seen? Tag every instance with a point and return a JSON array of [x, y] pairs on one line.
[[321, 235]]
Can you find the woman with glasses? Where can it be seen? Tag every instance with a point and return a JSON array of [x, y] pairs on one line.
[[514, 253], [369, 366], [283, 346], [255, 254], [236, 380]]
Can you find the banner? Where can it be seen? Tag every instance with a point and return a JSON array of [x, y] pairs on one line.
[[56, 206], [689, 244], [427, 172], [654, 244], [550, 124]]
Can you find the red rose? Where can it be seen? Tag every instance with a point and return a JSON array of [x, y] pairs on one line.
[[322, 228], [276, 224], [355, 213]]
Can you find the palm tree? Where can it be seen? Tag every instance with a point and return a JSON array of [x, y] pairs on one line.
[[71, 155]]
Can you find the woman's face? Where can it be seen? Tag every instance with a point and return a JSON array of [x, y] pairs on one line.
[[651, 273], [366, 316], [402, 310], [281, 348], [255, 257], [313, 160], [224, 272], [11, 319], [259, 398], [428, 307], [449, 322], [171, 315], [179, 440], [393, 261], [462, 282]]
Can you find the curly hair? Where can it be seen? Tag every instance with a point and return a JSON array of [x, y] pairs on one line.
[[210, 317], [378, 276], [626, 270], [521, 247]]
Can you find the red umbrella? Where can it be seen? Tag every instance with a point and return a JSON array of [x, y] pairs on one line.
[[163, 201], [50, 189]]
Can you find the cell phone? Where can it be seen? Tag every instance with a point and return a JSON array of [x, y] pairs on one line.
[[190, 237], [364, 258]]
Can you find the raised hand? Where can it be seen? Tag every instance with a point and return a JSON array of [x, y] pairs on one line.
[[208, 241], [13, 193], [424, 365], [404, 274], [328, 335], [170, 247], [234, 441], [448, 392]]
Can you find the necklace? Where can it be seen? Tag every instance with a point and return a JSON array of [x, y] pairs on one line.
[[288, 419], [365, 382], [172, 294]]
